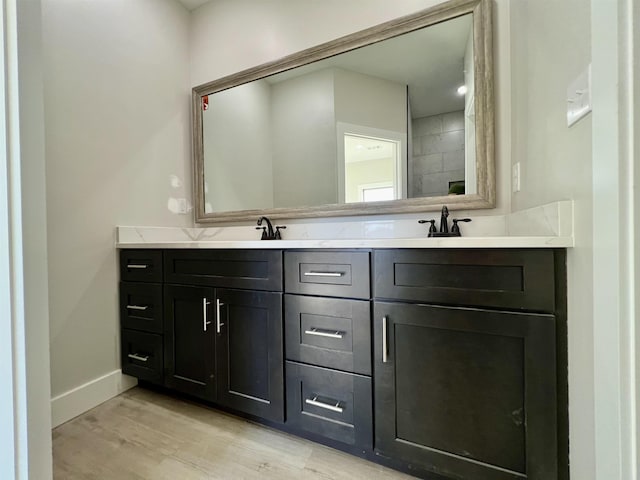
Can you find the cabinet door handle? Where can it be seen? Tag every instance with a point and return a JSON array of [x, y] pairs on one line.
[[137, 265], [324, 333], [385, 346], [137, 307], [334, 408], [140, 358], [323, 274], [205, 322], [219, 324]]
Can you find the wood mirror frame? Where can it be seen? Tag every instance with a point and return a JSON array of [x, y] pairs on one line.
[[484, 113]]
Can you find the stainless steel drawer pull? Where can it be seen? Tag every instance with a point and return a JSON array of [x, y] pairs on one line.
[[137, 307], [334, 408], [219, 324], [205, 322], [135, 265], [323, 274], [385, 346], [140, 358], [324, 333]]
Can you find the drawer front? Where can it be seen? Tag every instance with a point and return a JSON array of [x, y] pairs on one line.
[[331, 404], [141, 266], [141, 306], [333, 274], [243, 269], [141, 355], [329, 332], [514, 279]]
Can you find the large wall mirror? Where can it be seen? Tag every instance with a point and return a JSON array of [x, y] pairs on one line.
[[397, 118]]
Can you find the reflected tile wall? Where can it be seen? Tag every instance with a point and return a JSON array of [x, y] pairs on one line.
[[438, 154]]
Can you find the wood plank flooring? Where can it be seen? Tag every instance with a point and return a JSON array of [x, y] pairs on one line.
[[142, 434]]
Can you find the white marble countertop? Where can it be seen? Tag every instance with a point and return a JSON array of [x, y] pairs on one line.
[[455, 242], [547, 226]]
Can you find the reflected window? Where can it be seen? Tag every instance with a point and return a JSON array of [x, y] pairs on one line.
[[371, 168], [377, 194]]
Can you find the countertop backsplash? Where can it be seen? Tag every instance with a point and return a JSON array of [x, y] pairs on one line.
[[545, 226]]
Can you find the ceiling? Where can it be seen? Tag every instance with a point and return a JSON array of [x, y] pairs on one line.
[[193, 4], [430, 61]]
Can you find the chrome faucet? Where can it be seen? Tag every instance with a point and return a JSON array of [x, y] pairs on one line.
[[268, 232]]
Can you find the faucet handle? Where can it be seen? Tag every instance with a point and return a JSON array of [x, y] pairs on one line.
[[278, 235], [456, 228], [432, 228], [264, 232]]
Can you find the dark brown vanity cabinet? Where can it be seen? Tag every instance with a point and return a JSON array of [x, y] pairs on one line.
[[461, 391], [211, 327], [190, 340], [225, 346], [223, 331], [141, 314], [249, 353], [445, 363], [328, 346]]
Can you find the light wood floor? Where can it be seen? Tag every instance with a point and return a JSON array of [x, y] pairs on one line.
[[146, 435]]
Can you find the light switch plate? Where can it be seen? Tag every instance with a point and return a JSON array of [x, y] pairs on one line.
[[579, 97]]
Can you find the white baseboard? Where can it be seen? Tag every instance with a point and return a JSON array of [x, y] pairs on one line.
[[70, 404]]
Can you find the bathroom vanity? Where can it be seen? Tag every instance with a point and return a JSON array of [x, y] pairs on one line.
[[444, 363], [444, 358]]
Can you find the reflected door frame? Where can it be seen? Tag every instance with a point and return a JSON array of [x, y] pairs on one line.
[[343, 128]]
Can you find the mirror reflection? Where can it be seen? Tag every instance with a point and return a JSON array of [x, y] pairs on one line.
[[391, 120]]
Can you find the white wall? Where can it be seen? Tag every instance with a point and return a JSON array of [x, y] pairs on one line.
[[265, 31], [117, 112], [236, 131], [551, 44]]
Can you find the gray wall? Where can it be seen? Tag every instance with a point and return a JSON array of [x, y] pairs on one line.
[[117, 115], [236, 130], [551, 45], [438, 154], [304, 141], [370, 101]]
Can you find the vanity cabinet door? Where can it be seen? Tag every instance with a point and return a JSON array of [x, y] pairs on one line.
[[249, 346], [466, 393], [189, 340]]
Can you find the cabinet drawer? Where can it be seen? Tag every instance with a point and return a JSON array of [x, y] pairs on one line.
[[329, 332], [332, 404], [244, 269], [333, 274], [514, 279], [141, 266], [141, 306], [141, 355]]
